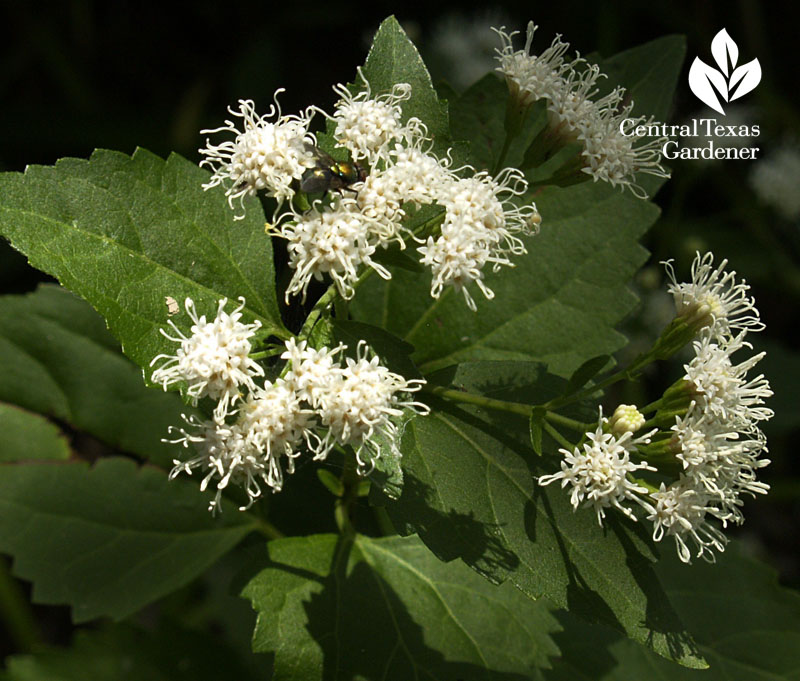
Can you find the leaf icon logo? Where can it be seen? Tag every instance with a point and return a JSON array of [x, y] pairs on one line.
[[728, 82]]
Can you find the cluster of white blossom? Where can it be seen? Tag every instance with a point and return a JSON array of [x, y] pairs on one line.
[[715, 440], [393, 169], [259, 429], [576, 113]]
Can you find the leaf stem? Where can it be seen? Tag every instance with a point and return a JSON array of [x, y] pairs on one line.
[[567, 422], [16, 612], [480, 400], [266, 528], [558, 437], [344, 504]]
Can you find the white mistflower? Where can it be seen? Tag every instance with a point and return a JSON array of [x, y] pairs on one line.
[[722, 389], [419, 177], [532, 77], [214, 360], [484, 205], [380, 201], [361, 402], [714, 299], [457, 259], [680, 511], [614, 157], [264, 155], [775, 180], [571, 103], [599, 475], [366, 126], [335, 241], [311, 371], [274, 423], [721, 460], [222, 455]]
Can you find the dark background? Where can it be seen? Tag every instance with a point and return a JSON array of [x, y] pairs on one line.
[[82, 74]]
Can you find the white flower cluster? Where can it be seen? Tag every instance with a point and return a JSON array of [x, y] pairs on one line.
[[340, 237], [259, 429], [576, 113], [265, 155], [600, 475], [716, 440]]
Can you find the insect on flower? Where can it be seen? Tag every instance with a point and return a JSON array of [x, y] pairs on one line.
[[328, 173]]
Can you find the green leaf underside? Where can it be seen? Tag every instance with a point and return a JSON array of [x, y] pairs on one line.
[[469, 492], [746, 626], [388, 609], [29, 436], [58, 359], [109, 539], [125, 653], [558, 305], [125, 232]]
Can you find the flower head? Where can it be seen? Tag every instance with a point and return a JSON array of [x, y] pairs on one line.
[[721, 388], [361, 402], [264, 155], [679, 510], [214, 360], [599, 475], [367, 126], [714, 299], [532, 77]]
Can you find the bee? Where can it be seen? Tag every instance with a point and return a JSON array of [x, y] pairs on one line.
[[328, 173]]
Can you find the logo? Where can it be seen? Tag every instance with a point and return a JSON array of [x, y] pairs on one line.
[[729, 82]]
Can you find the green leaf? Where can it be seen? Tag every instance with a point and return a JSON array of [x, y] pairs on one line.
[[746, 626], [125, 232], [470, 493], [559, 305], [58, 359], [395, 353], [109, 539], [649, 72], [333, 484], [125, 653], [387, 609], [585, 373], [479, 117], [393, 59], [29, 436]]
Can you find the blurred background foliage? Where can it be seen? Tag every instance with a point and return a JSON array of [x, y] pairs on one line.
[[82, 74]]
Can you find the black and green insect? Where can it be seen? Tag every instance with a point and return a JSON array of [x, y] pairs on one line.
[[329, 174]]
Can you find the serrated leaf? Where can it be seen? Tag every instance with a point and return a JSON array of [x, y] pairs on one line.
[[559, 305], [470, 493], [746, 626], [393, 59], [29, 436], [124, 232], [125, 653], [388, 609], [109, 539], [58, 359]]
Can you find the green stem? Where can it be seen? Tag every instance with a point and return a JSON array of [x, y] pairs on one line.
[[552, 432], [344, 504], [480, 401], [567, 422], [384, 521], [16, 612], [498, 166], [263, 354]]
